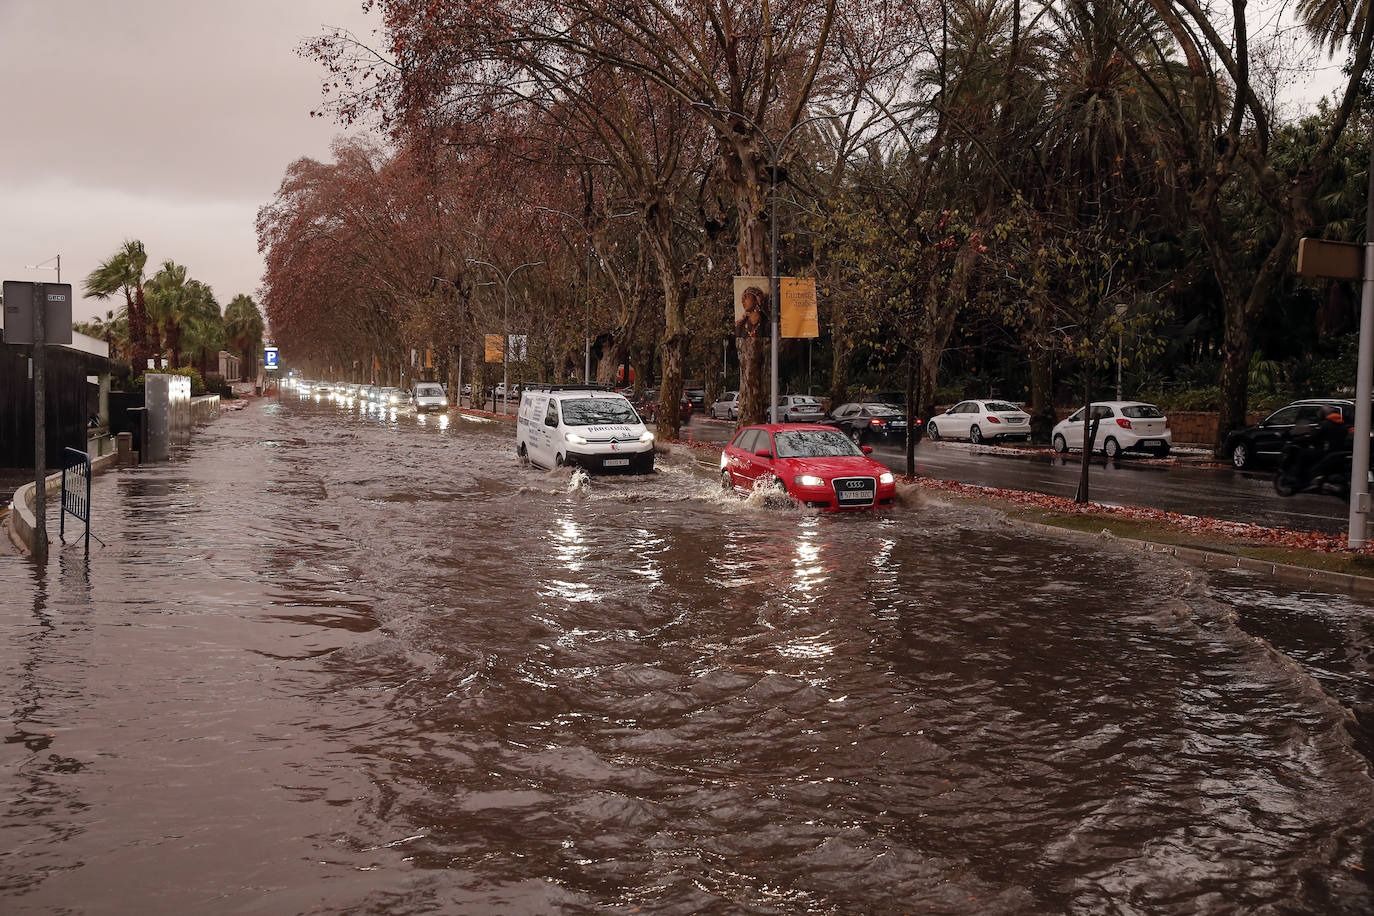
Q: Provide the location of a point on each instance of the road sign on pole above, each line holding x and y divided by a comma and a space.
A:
1330, 260
271, 359
21, 316
1349, 261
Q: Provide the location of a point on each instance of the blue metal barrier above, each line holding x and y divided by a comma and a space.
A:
76, 497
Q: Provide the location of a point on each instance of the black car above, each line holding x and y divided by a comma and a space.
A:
696, 397
1262, 443
867, 421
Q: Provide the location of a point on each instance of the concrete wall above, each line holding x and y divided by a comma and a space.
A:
204, 408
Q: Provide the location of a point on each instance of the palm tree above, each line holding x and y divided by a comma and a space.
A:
123, 272
1333, 22
243, 327
112, 329
169, 305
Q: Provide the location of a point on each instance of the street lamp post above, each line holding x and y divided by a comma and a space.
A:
505, 323
774, 151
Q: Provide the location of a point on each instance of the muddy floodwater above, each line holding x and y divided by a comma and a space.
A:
330, 661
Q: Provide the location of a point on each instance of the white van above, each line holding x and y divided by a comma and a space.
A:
582, 425
428, 396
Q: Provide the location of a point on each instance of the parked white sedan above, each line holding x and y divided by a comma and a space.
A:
1123, 426
980, 421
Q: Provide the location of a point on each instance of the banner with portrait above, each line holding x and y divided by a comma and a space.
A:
752, 308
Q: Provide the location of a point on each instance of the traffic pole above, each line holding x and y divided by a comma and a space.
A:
40, 425
1364, 382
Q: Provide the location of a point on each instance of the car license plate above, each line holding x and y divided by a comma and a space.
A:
615, 462
855, 496
1150, 443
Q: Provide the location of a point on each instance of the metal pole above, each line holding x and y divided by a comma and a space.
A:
1364, 382
1120, 338
587, 325
776, 300
505, 356
40, 425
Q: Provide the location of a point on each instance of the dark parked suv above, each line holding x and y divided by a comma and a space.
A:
1261, 444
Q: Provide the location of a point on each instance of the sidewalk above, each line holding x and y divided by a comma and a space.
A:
1301, 556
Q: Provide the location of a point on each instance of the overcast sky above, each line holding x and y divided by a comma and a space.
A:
169, 121
172, 121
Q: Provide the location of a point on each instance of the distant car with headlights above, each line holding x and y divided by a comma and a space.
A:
429, 396
819, 466
980, 421
1122, 426
586, 426
870, 421
390, 396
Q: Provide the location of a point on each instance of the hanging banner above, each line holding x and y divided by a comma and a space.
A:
751, 307
518, 348
429, 358
492, 344
798, 315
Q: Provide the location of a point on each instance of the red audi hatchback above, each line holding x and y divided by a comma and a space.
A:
818, 466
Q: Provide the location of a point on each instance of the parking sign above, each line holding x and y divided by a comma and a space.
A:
270, 359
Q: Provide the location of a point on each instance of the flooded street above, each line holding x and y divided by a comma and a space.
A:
333, 661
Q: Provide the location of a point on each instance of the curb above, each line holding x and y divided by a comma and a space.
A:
1362, 586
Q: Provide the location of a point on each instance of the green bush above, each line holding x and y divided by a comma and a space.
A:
190, 372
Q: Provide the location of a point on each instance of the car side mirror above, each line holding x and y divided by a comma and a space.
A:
549, 421
866, 449
762, 453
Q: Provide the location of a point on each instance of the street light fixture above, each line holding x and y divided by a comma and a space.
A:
505, 323
774, 151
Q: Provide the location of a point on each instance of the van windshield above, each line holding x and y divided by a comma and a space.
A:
594, 411
430, 391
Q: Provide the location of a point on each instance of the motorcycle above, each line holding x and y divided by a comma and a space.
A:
1300, 471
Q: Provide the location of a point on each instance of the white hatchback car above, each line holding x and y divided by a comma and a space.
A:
980, 421
1123, 426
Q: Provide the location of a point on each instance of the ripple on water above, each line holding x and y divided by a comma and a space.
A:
417, 676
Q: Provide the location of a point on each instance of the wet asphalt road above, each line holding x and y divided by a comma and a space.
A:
1174, 487
342, 660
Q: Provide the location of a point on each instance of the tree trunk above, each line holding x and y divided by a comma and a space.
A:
1042, 394
660, 237
744, 165
1089, 437
173, 336
912, 410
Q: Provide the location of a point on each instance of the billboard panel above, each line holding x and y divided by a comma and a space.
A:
751, 307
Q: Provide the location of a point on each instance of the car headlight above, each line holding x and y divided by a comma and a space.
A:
394, 399
724, 460
575, 439
886, 477
443, 402
808, 480
646, 437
